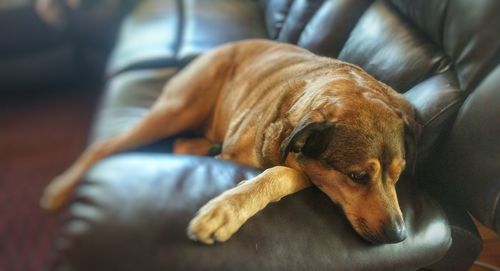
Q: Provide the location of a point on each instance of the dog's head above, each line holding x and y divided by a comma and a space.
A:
354, 148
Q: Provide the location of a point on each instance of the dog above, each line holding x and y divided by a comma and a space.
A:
304, 118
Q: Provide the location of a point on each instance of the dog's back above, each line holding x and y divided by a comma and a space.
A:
270, 87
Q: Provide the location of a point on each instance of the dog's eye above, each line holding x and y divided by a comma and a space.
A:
359, 177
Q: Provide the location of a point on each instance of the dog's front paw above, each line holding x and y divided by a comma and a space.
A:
217, 221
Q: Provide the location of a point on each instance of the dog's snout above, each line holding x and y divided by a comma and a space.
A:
394, 232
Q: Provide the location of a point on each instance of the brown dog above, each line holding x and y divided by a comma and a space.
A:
303, 117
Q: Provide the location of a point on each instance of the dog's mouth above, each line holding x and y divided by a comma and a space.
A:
388, 233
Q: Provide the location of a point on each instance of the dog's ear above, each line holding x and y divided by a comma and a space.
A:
412, 133
309, 137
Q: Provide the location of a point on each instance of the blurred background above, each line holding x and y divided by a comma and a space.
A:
52, 62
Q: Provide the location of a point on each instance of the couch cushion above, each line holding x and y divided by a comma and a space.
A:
170, 33
437, 99
133, 211
336, 19
298, 14
389, 48
208, 24
127, 99
299, 21
148, 36
466, 30
468, 165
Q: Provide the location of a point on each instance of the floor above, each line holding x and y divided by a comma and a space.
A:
39, 137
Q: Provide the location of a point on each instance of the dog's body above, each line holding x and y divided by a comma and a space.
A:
305, 118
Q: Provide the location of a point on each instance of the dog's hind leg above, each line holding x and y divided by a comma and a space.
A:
196, 146
186, 102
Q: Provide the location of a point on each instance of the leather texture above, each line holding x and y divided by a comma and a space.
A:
132, 211
171, 33
463, 234
469, 38
470, 159
140, 214
127, 99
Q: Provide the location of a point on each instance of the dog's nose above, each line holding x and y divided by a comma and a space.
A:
395, 232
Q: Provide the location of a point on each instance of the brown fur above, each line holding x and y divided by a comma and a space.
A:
278, 106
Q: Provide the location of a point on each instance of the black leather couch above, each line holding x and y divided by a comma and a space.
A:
132, 210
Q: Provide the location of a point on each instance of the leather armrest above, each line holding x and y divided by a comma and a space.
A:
467, 168
133, 210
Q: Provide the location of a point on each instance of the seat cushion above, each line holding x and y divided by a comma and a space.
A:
133, 210
127, 99
171, 33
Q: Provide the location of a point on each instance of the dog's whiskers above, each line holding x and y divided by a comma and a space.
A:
365, 231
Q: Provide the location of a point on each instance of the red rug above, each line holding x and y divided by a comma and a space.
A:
39, 137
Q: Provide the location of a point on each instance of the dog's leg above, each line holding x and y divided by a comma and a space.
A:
153, 126
222, 216
186, 102
193, 146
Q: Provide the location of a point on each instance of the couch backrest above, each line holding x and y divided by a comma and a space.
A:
436, 52
462, 35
